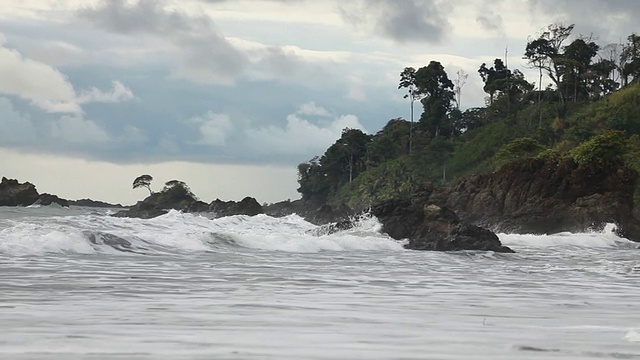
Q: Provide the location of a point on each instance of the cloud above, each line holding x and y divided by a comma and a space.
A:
312, 109
491, 22
47, 88
399, 20
609, 20
299, 135
37, 82
119, 93
213, 128
17, 128
206, 55
77, 130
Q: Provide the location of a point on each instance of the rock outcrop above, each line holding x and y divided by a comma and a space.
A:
48, 199
247, 206
431, 227
141, 210
93, 203
13, 193
177, 197
543, 197
318, 214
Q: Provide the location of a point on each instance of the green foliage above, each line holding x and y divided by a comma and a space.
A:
580, 117
606, 149
341, 163
518, 149
392, 179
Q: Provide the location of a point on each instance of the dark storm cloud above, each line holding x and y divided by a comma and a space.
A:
608, 20
399, 20
205, 51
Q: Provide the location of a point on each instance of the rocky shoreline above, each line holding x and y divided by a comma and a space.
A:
535, 196
14, 193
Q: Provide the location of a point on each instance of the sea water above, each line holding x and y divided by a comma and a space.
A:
78, 284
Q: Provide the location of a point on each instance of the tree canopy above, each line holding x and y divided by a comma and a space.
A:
143, 181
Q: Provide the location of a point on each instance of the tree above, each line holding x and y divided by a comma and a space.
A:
494, 78
408, 81
631, 59
459, 82
143, 181
575, 65
389, 143
544, 52
437, 93
341, 163
175, 190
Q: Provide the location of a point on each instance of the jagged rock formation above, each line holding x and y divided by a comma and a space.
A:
248, 206
13, 193
543, 196
430, 227
93, 203
48, 199
318, 214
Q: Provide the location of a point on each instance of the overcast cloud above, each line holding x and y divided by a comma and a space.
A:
240, 84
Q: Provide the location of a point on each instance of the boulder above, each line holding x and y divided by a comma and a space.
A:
431, 227
13, 193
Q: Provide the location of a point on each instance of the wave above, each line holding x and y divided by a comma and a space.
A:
177, 232
605, 238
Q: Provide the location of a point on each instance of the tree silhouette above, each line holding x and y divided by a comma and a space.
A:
143, 181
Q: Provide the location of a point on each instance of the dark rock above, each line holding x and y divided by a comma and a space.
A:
13, 193
48, 199
332, 228
430, 227
177, 197
543, 197
248, 206
93, 203
197, 207
318, 214
142, 210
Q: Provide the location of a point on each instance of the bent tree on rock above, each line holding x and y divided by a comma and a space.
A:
143, 181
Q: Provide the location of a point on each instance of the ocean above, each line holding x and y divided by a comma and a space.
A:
78, 284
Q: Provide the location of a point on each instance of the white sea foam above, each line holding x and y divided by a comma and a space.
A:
605, 238
633, 335
179, 232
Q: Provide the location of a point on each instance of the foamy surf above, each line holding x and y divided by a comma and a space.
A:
633, 335
606, 238
177, 232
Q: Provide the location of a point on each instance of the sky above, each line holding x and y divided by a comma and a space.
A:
230, 95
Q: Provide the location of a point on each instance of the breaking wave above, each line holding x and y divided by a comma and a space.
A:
177, 232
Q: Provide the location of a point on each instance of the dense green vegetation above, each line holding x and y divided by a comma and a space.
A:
591, 110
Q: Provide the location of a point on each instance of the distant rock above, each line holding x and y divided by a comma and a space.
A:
318, 214
430, 227
13, 193
94, 203
247, 206
48, 199
141, 210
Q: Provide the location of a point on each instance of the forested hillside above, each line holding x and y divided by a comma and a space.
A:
594, 89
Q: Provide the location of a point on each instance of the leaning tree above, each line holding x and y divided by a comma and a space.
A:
143, 181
